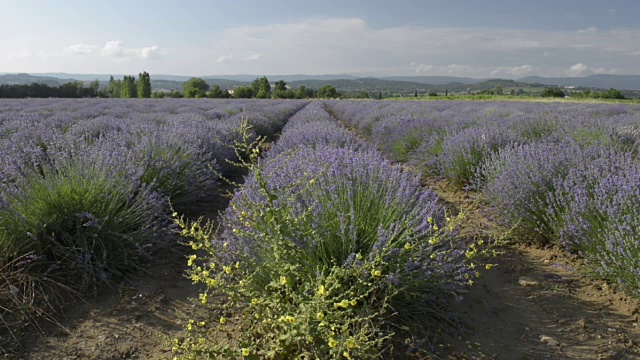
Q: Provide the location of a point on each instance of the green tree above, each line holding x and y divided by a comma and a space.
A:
498, 90
144, 85
215, 92
280, 85
284, 94
261, 88
612, 94
303, 93
553, 92
195, 87
242, 92
94, 86
129, 88
327, 92
115, 87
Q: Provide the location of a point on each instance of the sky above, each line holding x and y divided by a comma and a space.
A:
479, 38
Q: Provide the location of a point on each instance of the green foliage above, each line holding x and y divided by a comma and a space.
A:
85, 220
195, 87
217, 93
115, 87
304, 93
280, 85
261, 88
401, 148
327, 92
129, 88
242, 92
144, 85
553, 92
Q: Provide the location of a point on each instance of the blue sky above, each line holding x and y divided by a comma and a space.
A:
508, 39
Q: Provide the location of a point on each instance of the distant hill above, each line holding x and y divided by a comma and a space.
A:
25, 79
627, 82
434, 80
286, 78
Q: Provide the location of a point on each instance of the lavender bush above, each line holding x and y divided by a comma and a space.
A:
324, 251
599, 203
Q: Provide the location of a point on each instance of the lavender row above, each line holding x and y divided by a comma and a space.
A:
324, 247
564, 173
86, 185
451, 139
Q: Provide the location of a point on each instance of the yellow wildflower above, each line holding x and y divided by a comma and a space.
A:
283, 280
322, 291
343, 304
332, 342
191, 259
320, 316
245, 352
223, 320
376, 273
227, 269
346, 355
407, 246
429, 219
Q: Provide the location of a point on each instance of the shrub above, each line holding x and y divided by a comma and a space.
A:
601, 200
85, 220
519, 181
324, 252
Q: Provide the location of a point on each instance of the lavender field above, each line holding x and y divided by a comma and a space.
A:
564, 173
328, 248
88, 187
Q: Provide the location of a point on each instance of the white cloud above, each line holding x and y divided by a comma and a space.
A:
80, 49
612, 11
578, 69
350, 45
296, 47
224, 58
119, 49
589, 30
423, 68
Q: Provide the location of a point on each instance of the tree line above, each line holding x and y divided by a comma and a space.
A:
128, 87
260, 89
74, 89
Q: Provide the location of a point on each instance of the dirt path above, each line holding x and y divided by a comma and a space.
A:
539, 303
